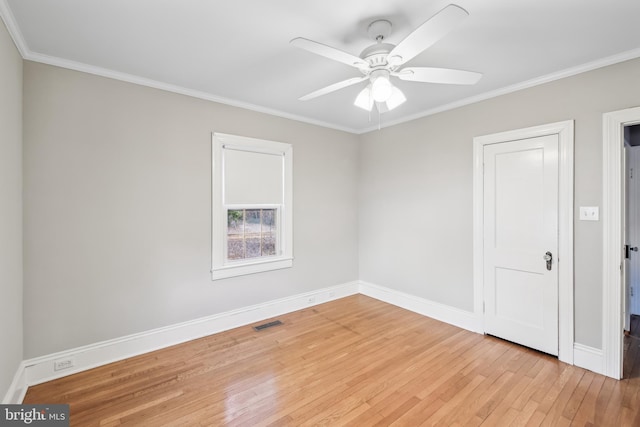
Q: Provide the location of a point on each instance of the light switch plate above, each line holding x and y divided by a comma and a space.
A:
589, 213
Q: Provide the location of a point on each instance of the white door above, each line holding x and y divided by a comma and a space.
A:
520, 228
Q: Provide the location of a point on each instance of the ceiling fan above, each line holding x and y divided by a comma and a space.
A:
381, 61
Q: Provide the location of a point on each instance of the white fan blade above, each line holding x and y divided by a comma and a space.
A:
330, 52
333, 87
438, 75
427, 34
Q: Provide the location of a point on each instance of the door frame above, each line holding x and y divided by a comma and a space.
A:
612, 239
564, 130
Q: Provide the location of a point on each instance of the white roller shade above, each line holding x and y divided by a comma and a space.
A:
252, 177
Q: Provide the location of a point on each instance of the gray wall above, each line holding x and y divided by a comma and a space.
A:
117, 209
117, 202
416, 180
10, 209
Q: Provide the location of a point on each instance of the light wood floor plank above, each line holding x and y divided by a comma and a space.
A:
351, 362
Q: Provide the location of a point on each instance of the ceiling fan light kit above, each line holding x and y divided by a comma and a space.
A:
380, 85
366, 99
381, 61
397, 98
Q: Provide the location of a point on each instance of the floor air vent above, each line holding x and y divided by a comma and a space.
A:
267, 325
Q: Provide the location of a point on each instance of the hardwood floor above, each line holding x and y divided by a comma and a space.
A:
355, 361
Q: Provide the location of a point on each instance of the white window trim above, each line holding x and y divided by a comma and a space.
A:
220, 267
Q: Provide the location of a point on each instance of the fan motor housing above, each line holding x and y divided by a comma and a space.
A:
376, 54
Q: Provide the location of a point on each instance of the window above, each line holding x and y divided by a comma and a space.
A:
252, 206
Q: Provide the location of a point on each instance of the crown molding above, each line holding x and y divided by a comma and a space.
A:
579, 69
14, 30
142, 81
12, 26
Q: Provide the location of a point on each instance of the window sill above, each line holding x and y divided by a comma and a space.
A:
227, 271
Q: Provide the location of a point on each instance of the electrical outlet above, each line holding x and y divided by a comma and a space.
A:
311, 300
65, 363
589, 213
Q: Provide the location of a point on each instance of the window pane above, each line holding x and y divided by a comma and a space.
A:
235, 234
235, 221
268, 232
252, 218
268, 220
269, 244
253, 245
251, 233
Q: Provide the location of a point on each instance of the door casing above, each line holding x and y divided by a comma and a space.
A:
564, 130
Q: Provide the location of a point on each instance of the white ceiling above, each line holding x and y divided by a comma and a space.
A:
238, 52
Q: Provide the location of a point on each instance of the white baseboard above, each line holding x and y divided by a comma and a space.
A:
18, 387
444, 313
588, 358
39, 370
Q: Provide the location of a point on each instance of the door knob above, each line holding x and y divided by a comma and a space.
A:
634, 249
548, 257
